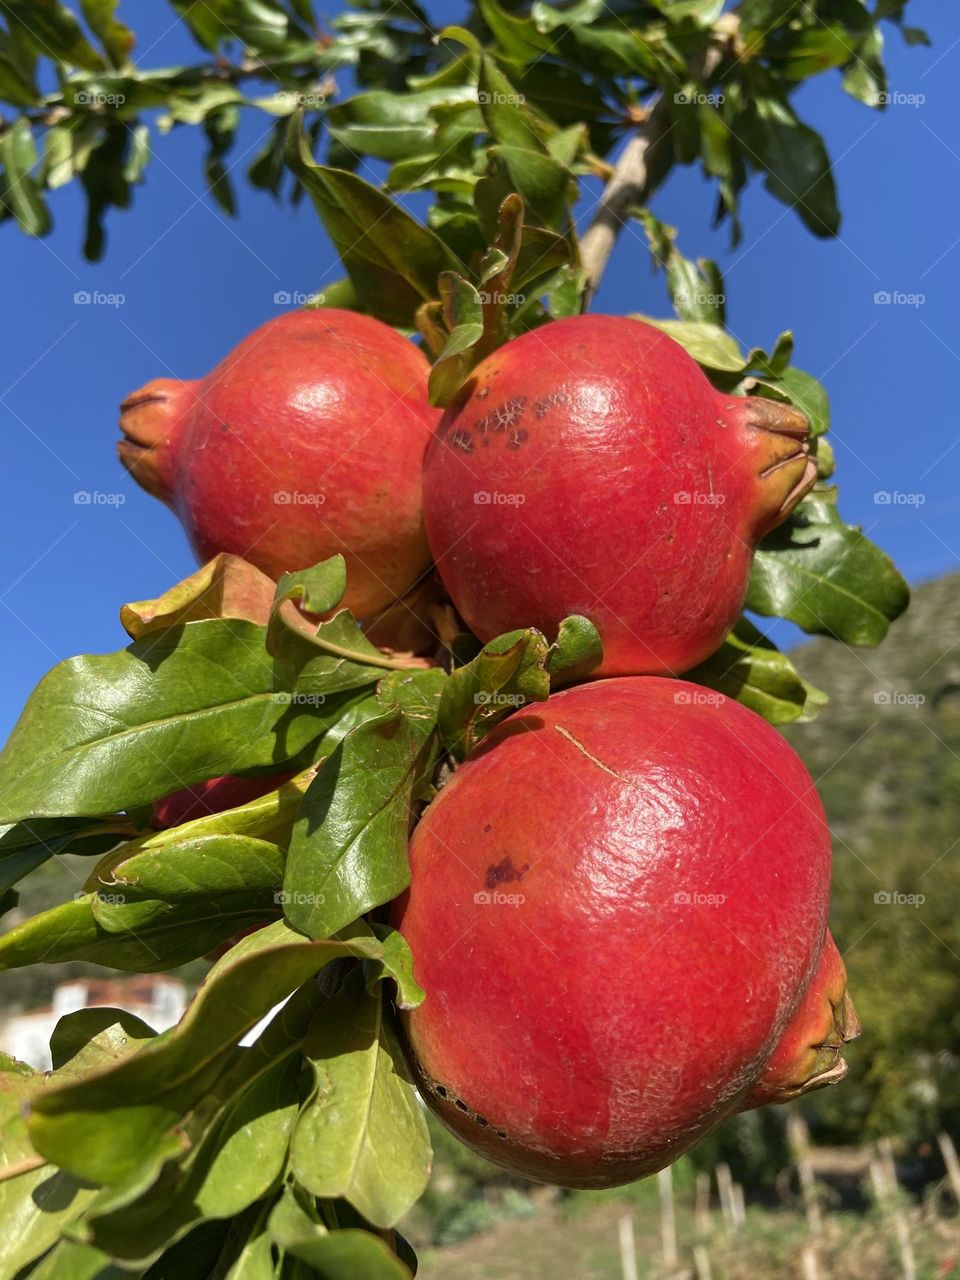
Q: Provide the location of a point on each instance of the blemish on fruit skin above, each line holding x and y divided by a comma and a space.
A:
516, 439
508, 414
504, 872
483, 393
462, 441
488, 827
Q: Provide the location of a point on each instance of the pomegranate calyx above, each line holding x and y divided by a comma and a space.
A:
148, 419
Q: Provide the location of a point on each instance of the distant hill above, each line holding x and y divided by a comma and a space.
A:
885, 753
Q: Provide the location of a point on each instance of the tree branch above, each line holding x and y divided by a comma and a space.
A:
635, 171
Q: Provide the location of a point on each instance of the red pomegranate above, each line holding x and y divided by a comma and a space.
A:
615, 908
589, 467
305, 441
213, 796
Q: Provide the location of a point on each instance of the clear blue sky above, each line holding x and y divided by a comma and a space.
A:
195, 282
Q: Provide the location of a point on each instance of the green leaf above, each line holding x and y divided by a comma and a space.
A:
141, 938
576, 651
393, 261
19, 189
238, 1159
796, 162
348, 852
90, 1039
826, 576
24, 846
318, 589
362, 1133
117, 40
181, 705
810, 397
52, 31
749, 668
463, 313
709, 345
347, 1254
69, 1261
37, 1204
106, 1125
507, 673
396, 964
220, 128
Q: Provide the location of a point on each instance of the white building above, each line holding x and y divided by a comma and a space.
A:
160, 1001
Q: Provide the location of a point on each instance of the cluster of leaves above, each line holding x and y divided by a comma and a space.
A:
255, 1153
442, 114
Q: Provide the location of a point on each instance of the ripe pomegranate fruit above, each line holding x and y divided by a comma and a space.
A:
615, 908
212, 796
589, 467
305, 441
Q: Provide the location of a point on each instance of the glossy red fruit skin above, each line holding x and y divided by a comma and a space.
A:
615, 907
307, 440
589, 467
212, 796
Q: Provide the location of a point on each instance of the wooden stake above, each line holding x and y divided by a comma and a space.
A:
725, 1192
738, 1205
701, 1262
949, 1153
701, 1205
668, 1221
883, 1175
798, 1136
808, 1261
628, 1249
